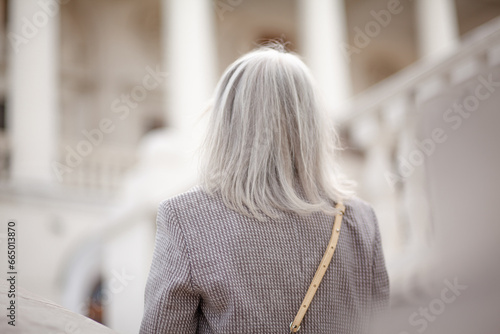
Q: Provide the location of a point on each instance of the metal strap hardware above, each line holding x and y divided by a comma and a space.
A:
320, 272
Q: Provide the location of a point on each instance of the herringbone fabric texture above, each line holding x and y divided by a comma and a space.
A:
217, 271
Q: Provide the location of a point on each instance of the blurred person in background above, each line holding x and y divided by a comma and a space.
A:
237, 253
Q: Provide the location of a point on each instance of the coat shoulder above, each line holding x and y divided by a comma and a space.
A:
358, 205
195, 201
362, 214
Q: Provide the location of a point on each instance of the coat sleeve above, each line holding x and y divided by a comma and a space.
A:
380, 284
170, 301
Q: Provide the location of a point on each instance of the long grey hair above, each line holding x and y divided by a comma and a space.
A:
269, 145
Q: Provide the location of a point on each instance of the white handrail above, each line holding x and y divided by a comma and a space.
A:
476, 44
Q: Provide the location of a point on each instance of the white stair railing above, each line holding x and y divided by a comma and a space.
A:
382, 127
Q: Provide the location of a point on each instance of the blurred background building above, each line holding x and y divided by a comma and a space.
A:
100, 104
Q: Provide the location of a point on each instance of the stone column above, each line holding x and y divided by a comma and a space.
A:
32, 100
189, 58
322, 34
437, 27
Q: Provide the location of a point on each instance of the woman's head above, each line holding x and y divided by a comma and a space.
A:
269, 146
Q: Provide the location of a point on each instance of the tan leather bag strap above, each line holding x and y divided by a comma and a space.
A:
320, 272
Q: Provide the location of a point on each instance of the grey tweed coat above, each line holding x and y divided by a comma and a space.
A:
217, 271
